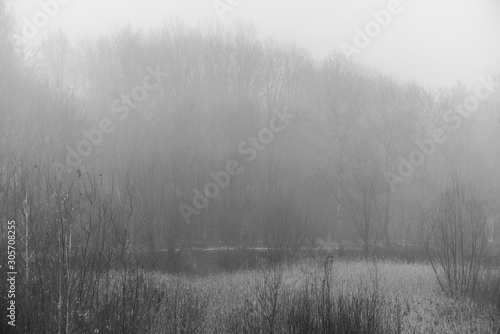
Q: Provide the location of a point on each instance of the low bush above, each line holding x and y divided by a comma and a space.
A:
315, 307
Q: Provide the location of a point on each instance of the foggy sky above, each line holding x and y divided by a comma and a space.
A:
434, 42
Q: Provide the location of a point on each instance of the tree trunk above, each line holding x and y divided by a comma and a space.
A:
385, 226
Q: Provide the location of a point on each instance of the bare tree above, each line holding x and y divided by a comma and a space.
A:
362, 196
341, 107
456, 240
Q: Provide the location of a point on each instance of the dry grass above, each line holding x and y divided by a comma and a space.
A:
413, 286
242, 302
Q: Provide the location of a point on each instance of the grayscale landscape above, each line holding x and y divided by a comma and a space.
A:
250, 167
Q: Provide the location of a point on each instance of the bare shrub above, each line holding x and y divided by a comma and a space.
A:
315, 307
455, 239
264, 311
183, 308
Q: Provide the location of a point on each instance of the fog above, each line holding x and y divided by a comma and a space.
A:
142, 139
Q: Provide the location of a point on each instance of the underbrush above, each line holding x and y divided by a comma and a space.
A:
315, 307
488, 291
118, 301
309, 296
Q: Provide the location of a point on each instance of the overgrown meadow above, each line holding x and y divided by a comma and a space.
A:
312, 295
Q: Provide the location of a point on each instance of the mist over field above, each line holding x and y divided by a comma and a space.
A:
231, 166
